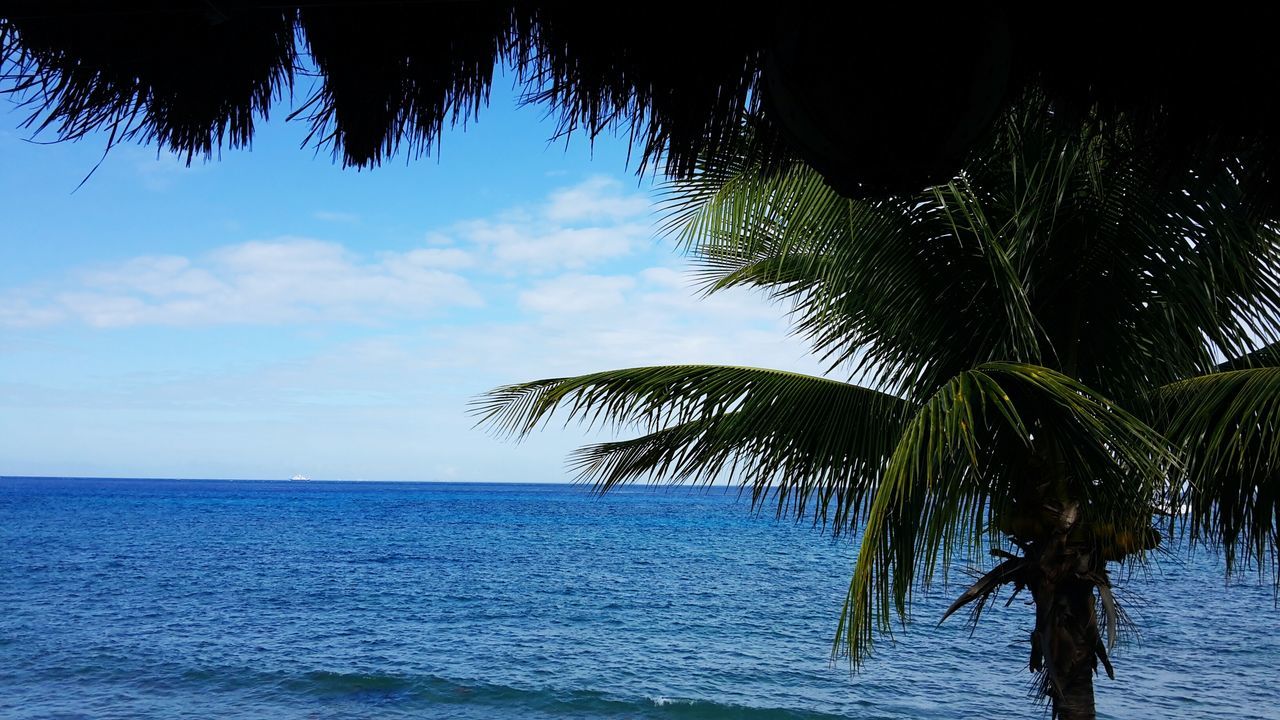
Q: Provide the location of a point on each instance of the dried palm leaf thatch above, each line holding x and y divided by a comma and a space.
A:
193, 76
882, 99
191, 79
680, 80
392, 79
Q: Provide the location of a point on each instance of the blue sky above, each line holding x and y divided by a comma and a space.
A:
270, 313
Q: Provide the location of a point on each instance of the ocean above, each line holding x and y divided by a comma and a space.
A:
235, 599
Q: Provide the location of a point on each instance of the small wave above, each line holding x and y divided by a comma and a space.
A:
707, 710
331, 683
410, 692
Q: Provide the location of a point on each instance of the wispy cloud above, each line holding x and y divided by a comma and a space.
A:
437, 257
540, 248
575, 294
347, 337
599, 198
17, 311
577, 227
292, 279
576, 323
283, 280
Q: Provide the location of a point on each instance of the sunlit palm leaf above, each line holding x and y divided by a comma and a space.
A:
941, 492
1065, 248
814, 445
887, 285
1026, 313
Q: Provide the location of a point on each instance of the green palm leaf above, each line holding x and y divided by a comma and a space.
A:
1073, 249
1027, 313
941, 491
1268, 356
886, 285
1228, 427
814, 445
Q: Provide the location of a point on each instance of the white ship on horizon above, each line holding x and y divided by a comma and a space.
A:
299, 477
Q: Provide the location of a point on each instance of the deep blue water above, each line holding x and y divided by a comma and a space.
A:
220, 599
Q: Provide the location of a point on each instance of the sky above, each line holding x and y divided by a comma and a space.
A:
269, 313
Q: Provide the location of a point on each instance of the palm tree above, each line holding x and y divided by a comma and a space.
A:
1038, 348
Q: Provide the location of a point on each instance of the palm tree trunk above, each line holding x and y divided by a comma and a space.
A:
1066, 643
1066, 638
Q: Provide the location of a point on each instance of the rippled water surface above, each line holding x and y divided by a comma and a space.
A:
219, 599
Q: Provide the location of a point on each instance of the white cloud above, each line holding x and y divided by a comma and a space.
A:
390, 402
599, 198
576, 228
440, 258
292, 279
577, 294
525, 248
154, 275
287, 279
583, 323
21, 312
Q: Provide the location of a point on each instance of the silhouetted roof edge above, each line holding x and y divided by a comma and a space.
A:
878, 100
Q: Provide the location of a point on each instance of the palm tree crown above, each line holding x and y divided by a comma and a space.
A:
1039, 350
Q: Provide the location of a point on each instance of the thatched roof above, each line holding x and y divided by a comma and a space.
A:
884, 99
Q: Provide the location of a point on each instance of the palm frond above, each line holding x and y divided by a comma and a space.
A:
984, 587
814, 446
1227, 425
910, 290
1075, 248
1267, 356
963, 210
943, 492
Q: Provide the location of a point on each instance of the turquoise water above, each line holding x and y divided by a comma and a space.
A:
220, 599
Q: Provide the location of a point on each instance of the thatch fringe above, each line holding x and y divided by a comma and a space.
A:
680, 82
416, 67
191, 80
877, 99
193, 77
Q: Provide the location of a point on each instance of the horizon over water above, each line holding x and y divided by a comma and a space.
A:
163, 598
